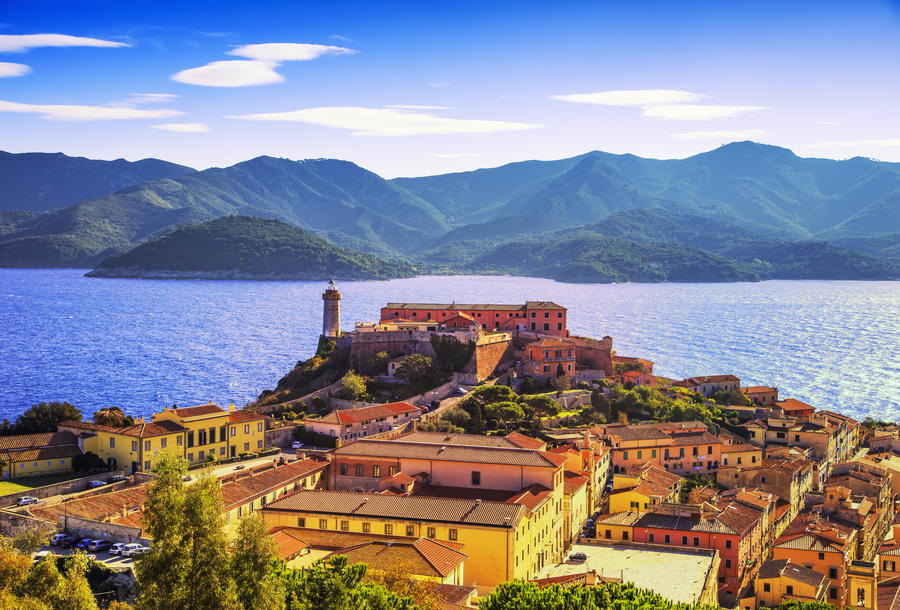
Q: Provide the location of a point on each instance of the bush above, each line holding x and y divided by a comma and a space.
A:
88, 462
309, 437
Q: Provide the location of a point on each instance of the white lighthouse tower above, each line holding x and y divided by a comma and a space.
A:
331, 315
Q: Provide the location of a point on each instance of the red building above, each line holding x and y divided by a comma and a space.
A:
543, 317
545, 357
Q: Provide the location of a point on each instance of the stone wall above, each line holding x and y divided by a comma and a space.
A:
56, 489
88, 528
394, 342
491, 353
281, 436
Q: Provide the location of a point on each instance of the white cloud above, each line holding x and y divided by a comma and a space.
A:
183, 127
152, 98
19, 43
233, 73
8, 69
631, 97
884, 142
416, 107
258, 68
697, 112
287, 51
737, 134
56, 112
387, 121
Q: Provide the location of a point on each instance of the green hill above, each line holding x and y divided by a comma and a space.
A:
239, 247
39, 182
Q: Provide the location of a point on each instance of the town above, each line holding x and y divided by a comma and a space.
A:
480, 444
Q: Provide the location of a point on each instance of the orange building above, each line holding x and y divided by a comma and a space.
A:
545, 357
794, 408
538, 316
760, 394
679, 447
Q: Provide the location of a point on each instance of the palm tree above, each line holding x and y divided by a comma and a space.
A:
110, 416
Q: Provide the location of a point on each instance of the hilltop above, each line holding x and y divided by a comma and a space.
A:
244, 247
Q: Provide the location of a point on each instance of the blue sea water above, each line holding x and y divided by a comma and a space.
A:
142, 344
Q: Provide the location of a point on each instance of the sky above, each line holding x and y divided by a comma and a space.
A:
420, 88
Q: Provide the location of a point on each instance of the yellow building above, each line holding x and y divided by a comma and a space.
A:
198, 434
494, 534
33, 455
779, 581
642, 487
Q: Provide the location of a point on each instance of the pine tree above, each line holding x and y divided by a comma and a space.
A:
251, 567
477, 421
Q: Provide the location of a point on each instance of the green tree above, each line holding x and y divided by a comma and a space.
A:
527, 386
599, 402
459, 416
417, 370
44, 417
505, 412
29, 540
354, 386
87, 461
540, 406
75, 592
252, 559
477, 426
380, 362
438, 425
331, 584
730, 397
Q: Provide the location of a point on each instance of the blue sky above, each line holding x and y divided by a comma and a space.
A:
413, 89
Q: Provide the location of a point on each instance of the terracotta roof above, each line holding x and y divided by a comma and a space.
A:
43, 453
739, 447
531, 497
364, 414
242, 415
456, 438
45, 439
656, 475
698, 380
419, 508
461, 306
456, 597
573, 482
792, 404
525, 442
549, 343
757, 389
208, 409
289, 546
240, 488
145, 430
889, 594
450, 453
97, 507
332, 539
424, 557
778, 568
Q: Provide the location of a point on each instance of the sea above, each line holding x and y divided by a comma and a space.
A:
145, 344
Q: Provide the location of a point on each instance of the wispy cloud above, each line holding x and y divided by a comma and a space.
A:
152, 98
698, 112
736, 134
851, 143
183, 127
416, 107
258, 68
8, 69
19, 43
631, 97
58, 112
388, 121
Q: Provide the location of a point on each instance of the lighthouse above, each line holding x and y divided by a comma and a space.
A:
331, 314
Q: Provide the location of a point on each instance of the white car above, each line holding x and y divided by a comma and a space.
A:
56, 539
116, 549
24, 500
143, 550
129, 549
296, 445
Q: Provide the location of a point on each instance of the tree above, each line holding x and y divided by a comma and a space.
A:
505, 412
253, 555
731, 397
417, 370
75, 592
599, 402
44, 417
541, 406
110, 416
380, 362
326, 585
477, 426
527, 386
354, 386
3, 466
399, 579
29, 540
438, 425
87, 462
562, 383
459, 416
13, 566
188, 566
43, 581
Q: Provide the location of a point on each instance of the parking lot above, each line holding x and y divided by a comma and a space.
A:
113, 561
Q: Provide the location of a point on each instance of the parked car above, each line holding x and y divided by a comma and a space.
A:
94, 484
578, 557
187, 478
129, 548
143, 550
460, 392
118, 478
239, 467
116, 549
83, 543
67, 542
99, 545
41, 555
296, 445
56, 539
434, 404
24, 500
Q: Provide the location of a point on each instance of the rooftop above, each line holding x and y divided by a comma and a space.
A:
682, 580
778, 568
423, 557
395, 448
476, 306
46, 439
418, 508
364, 414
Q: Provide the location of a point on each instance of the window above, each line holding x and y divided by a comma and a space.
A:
832, 572
359, 470
392, 470
476, 477
821, 556
727, 563
607, 534
323, 524
667, 539
860, 597
410, 530
625, 535
190, 437
696, 541
559, 326
190, 457
246, 428
146, 445
666, 453
201, 455
767, 587
146, 465
178, 440
762, 479
343, 469
728, 544
223, 434
301, 521
366, 527
653, 453
789, 589
112, 442
246, 446
695, 451
388, 529
201, 437
432, 532
259, 444
546, 326
163, 442
376, 471
212, 436
624, 455
640, 454
259, 427
345, 526
832, 592
233, 430
684, 540
221, 450
134, 445
652, 537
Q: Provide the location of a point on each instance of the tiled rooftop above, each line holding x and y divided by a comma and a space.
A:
424, 557
364, 414
398, 448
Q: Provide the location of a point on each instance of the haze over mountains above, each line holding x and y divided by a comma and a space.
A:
753, 208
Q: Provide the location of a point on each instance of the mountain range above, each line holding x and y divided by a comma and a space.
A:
755, 206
